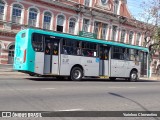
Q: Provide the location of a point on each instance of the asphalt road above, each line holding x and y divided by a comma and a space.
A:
20, 92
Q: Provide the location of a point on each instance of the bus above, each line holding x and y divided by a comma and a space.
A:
48, 53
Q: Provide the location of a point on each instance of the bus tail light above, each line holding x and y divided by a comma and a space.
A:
24, 56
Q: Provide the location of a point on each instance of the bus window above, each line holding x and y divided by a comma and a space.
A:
47, 48
126, 54
89, 49
37, 42
23, 35
71, 47
55, 48
104, 53
132, 54
118, 53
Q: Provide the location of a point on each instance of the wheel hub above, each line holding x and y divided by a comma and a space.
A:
133, 76
77, 74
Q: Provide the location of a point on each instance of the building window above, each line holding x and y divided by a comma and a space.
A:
138, 38
60, 23
16, 14
123, 35
104, 31
130, 37
47, 20
87, 2
114, 33
72, 25
33, 13
2, 4
116, 4
85, 25
11, 54
104, 2
0, 49
96, 27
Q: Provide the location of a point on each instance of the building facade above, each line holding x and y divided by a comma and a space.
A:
109, 19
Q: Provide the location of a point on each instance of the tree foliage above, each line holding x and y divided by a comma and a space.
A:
151, 16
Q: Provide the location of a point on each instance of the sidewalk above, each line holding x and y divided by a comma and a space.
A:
8, 70
151, 78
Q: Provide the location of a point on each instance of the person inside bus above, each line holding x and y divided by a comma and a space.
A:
64, 50
78, 51
55, 48
48, 48
106, 54
89, 53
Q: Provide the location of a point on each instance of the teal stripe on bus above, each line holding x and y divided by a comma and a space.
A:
87, 39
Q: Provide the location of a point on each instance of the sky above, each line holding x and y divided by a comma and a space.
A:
134, 7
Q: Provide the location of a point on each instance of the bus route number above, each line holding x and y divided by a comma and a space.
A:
65, 61
89, 61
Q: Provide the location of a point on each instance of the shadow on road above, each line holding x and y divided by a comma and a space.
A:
137, 103
85, 80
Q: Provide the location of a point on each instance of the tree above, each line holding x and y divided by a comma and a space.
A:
151, 16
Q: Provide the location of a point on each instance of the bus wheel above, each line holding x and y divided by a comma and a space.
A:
32, 74
133, 76
76, 74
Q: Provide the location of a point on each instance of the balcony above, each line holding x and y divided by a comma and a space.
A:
16, 19
46, 25
32, 22
1, 16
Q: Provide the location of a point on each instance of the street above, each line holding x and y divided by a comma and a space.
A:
20, 92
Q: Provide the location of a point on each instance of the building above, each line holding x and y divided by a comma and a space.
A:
109, 19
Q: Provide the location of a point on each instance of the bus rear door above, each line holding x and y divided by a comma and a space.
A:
104, 61
51, 60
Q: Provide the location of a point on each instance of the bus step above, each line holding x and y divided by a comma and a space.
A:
104, 76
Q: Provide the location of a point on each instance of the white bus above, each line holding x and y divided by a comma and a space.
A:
45, 53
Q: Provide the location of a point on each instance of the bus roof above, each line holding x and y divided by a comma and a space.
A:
65, 35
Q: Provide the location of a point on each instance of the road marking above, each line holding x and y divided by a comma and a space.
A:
71, 110
28, 89
48, 88
115, 87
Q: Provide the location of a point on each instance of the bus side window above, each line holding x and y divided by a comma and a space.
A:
106, 54
89, 49
55, 48
118, 53
65, 50
132, 54
126, 54
37, 42
71, 47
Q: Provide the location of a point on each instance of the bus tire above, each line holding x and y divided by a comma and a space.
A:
32, 74
133, 76
76, 74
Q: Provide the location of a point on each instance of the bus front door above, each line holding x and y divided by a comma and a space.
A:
104, 61
51, 58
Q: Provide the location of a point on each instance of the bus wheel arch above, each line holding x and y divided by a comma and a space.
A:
133, 75
76, 72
